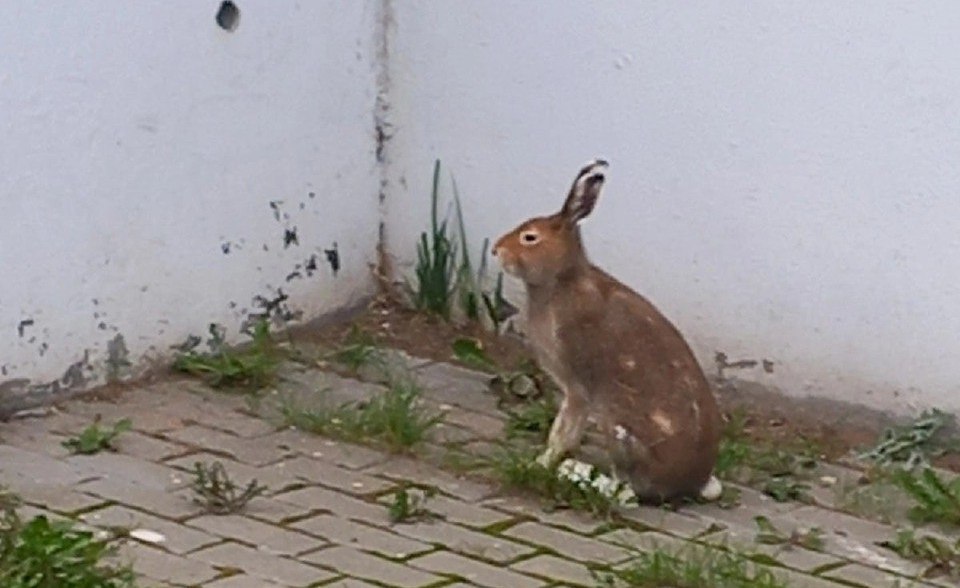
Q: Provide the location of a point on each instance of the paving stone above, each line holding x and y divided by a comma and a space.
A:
464, 513
480, 425
581, 522
751, 504
59, 499
347, 455
126, 469
242, 581
275, 511
416, 472
797, 580
265, 537
463, 540
482, 574
354, 583
448, 384
20, 468
675, 523
868, 577
630, 540
332, 476
143, 446
165, 567
317, 499
179, 539
33, 434
794, 557
370, 567
344, 532
250, 451
273, 568
235, 423
554, 568
165, 504
568, 544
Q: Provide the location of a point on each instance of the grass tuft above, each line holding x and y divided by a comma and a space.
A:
693, 567
912, 445
253, 366
516, 468
394, 419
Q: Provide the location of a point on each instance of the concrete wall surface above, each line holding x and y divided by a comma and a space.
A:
160, 173
784, 182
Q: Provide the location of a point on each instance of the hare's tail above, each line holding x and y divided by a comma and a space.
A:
712, 490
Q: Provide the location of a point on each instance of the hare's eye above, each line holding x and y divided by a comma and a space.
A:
529, 238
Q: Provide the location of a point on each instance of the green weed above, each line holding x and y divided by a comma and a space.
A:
394, 419
694, 567
445, 274
912, 445
95, 439
254, 365
941, 556
936, 500
436, 260
42, 554
408, 505
769, 534
217, 493
516, 468
359, 350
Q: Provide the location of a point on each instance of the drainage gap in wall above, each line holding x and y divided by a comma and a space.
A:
228, 17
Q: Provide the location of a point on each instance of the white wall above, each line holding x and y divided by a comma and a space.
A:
785, 179
138, 139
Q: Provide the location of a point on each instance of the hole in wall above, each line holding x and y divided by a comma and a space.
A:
228, 17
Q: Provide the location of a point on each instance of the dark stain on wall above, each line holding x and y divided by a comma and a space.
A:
290, 237
22, 326
333, 258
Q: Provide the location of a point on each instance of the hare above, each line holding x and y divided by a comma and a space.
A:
618, 361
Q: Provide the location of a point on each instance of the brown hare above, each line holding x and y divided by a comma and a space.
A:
619, 362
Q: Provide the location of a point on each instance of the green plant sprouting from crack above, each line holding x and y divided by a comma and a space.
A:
40, 553
769, 534
95, 438
395, 419
409, 505
217, 493
252, 366
941, 556
692, 567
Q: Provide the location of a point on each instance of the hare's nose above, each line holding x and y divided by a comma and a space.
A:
495, 251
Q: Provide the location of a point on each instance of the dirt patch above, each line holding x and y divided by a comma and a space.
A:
834, 428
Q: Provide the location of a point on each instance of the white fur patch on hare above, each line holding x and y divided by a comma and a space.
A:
712, 489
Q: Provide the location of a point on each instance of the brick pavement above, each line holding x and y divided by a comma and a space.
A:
324, 521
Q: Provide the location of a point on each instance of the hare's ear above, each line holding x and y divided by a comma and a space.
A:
584, 192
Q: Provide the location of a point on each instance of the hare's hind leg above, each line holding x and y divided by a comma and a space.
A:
566, 431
